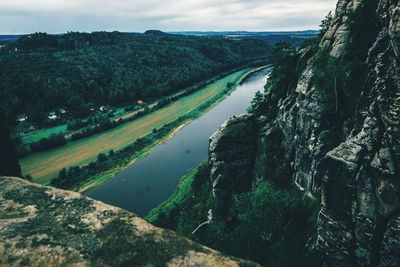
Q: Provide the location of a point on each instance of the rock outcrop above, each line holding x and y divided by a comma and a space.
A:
43, 226
230, 168
349, 152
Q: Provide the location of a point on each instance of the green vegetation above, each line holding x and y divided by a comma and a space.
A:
8, 157
270, 225
78, 71
45, 133
339, 81
46, 165
329, 79
284, 74
182, 192
325, 24
256, 104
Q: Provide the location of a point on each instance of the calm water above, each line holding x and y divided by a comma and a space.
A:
148, 182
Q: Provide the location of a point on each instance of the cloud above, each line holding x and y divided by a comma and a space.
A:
25, 16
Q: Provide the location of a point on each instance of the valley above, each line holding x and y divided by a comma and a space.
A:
44, 166
212, 137
149, 181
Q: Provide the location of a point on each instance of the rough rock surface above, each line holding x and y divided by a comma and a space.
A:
43, 226
230, 169
350, 158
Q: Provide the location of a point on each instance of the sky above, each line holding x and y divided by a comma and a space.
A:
58, 16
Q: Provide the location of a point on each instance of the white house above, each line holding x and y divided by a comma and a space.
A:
52, 116
22, 118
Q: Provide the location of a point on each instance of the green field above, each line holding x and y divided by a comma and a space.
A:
45, 165
45, 133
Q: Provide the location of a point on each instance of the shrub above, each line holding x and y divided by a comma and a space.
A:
101, 157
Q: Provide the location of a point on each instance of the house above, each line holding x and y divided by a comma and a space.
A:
103, 109
52, 116
22, 118
140, 102
63, 111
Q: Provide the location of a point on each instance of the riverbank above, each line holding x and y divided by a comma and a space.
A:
45, 166
190, 116
36, 136
101, 178
182, 192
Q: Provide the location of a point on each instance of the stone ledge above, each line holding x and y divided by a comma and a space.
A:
44, 226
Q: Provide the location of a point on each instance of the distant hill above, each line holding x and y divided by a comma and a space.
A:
293, 37
9, 38
155, 33
42, 72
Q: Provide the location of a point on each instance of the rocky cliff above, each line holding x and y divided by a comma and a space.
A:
43, 226
339, 142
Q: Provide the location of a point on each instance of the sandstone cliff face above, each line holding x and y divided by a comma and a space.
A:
231, 167
350, 158
43, 226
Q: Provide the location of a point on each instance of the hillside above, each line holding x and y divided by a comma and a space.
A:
42, 73
295, 38
310, 177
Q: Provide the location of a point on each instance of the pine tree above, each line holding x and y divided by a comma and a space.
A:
325, 24
256, 103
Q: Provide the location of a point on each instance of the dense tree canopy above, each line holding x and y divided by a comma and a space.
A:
9, 165
42, 72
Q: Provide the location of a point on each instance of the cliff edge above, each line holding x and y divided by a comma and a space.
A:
44, 226
329, 124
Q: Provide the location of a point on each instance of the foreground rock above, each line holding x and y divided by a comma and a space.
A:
43, 226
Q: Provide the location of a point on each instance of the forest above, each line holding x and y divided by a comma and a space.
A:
42, 73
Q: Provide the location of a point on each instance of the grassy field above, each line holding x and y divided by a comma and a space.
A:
36, 136
45, 165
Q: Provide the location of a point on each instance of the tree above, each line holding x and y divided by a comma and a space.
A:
330, 76
325, 24
256, 104
102, 157
9, 165
77, 71
62, 175
37, 117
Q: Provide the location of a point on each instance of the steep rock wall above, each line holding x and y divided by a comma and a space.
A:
350, 155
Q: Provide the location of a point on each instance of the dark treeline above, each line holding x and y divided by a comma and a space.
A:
41, 73
9, 165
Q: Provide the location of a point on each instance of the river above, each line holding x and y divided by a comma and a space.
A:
148, 182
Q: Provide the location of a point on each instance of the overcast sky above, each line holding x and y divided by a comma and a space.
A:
57, 16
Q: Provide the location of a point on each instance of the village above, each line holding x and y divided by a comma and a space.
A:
62, 121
